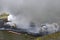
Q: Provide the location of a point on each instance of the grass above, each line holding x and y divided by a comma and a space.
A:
54, 36
5, 35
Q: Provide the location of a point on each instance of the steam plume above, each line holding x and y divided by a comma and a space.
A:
37, 11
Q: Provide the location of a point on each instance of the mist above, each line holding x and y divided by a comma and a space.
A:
37, 11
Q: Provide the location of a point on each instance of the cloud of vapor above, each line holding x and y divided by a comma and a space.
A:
38, 11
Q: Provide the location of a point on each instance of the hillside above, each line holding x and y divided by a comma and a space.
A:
5, 35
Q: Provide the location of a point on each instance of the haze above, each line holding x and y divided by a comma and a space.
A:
39, 11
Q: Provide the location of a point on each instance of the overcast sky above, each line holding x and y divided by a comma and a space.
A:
38, 10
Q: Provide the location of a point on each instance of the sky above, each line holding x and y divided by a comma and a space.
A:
38, 11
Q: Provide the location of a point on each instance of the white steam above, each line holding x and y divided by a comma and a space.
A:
25, 24
22, 12
50, 28
21, 22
